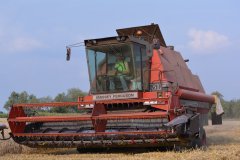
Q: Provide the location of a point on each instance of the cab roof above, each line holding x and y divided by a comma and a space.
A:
148, 33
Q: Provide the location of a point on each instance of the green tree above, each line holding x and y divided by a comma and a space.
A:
71, 96
61, 97
32, 99
74, 93
236, 110
45, 99
22, 97
13, 98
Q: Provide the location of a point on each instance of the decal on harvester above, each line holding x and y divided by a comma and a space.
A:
155, 87
115, 96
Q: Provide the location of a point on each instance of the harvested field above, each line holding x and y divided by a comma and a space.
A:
223, 143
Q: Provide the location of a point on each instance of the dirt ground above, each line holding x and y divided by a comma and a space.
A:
223, 143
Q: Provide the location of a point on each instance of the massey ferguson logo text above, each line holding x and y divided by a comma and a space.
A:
115, 96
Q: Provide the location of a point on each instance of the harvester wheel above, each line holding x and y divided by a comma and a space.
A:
200, 141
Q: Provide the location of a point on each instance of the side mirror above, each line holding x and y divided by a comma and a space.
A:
68, 54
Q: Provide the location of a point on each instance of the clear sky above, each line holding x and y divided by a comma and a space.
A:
33, 36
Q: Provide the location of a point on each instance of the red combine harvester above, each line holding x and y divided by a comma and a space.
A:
142, 94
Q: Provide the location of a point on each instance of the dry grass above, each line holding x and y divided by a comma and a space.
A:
223, 141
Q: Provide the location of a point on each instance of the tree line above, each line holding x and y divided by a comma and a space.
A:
24, 97
231, 107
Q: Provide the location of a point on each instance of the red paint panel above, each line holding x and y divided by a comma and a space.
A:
17, 127
149, 95
92, 134
87, 98
99, 124
156, 67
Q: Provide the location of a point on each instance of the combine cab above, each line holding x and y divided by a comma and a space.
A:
142, 94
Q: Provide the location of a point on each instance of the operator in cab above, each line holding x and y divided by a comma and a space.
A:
121, 66
121, 69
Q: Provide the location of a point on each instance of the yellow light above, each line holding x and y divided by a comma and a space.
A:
139, 32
